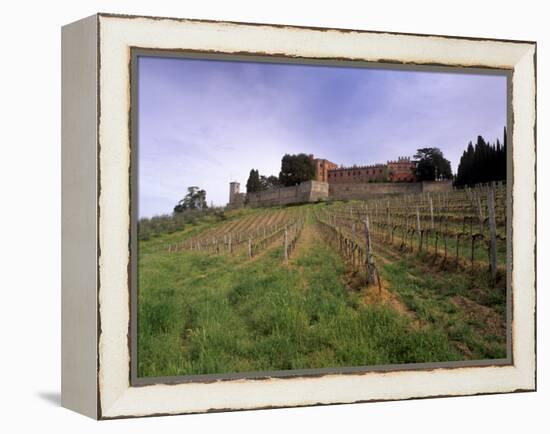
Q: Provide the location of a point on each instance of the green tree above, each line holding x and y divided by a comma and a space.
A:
296, 169
484, 162
253, 184
432, 165
269, 182
194, 199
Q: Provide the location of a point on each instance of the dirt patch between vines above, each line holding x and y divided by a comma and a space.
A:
374, 294
493, 323
308, 236
305, 241
355, 281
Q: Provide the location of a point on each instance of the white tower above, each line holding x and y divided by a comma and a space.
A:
234, 190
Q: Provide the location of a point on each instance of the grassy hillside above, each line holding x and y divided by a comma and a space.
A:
205, 309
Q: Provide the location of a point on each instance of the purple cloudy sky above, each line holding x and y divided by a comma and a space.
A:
206, 122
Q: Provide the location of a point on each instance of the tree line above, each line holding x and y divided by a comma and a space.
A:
155, 226
430, 164
482, 162
257, 182
294, 170
195, 199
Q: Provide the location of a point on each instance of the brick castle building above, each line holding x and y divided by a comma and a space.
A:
332, 182
322, 168
400, 170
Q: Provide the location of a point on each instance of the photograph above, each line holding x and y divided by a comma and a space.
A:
268, 217
298, 218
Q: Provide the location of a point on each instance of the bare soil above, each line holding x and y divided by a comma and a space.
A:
493, 323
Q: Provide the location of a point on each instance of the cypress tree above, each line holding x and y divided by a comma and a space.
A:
484, 162
253, 184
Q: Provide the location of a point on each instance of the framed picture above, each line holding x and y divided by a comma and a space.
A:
261, 216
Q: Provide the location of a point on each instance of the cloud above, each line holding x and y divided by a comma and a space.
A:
208, 122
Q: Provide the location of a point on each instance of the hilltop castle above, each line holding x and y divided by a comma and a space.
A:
333, 182
401, 170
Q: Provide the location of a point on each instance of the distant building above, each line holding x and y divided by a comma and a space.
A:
322, 168
236, 198
358, 174
401, 170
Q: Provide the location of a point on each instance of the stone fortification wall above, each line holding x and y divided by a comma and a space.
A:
314, 191
310, 191
365, 190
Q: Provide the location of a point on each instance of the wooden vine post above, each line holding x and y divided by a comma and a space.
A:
432, 212
249, 248
353, 245
389, 222
418, 229
367, 250
370, 267
480, 214
492, 233
286, 246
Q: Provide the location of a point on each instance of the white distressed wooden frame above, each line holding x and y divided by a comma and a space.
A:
96, 215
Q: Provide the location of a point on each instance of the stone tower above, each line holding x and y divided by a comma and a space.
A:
234, 192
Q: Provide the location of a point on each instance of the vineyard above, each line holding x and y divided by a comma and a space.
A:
400, 279
256, 232
465, 228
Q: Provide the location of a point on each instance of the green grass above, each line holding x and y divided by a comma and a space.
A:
201, 314
433, 298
